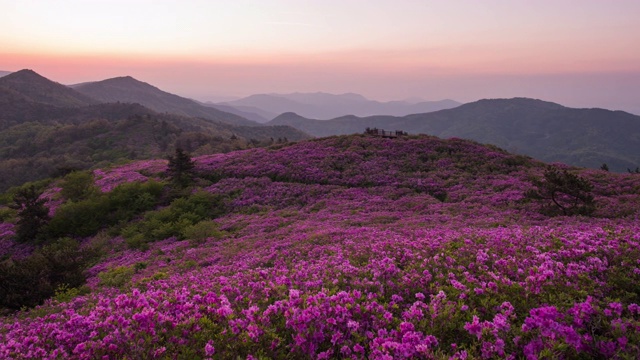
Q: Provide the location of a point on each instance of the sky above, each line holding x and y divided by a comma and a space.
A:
581, 53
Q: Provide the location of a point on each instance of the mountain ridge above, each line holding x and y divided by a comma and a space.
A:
249, 113
129, 89
324, 106
542, 129
43, 129
39, 89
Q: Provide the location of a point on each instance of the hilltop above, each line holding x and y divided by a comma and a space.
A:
544, 130
128, 89
348, 246
39, 89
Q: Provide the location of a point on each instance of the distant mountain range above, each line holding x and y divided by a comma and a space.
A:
128, 89
247, 112
544, 130
4, 73
328, 106
46, 127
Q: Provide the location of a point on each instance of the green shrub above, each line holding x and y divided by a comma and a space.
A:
25, 282
563, 193
201, 231
139, 266
64, 293
7, 214
78, 185
174, 220
31, 280
135, 240
116, 277
86, 217
40, 185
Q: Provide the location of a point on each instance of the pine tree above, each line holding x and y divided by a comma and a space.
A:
180, 168
32, 214
563, 192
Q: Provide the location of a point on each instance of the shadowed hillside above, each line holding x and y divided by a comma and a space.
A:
544, 130
43, 133
128, 89
100, 134
39, 89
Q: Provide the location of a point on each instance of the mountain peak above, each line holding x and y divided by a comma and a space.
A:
26, 71
38, 88
25, 75
520, 101
124, 81
131, 90
288, 115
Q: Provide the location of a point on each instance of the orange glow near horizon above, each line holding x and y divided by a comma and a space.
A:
383, 49
70, 68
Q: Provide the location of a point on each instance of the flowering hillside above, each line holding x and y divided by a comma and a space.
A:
351, 247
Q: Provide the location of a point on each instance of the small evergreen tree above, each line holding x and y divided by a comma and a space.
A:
180, 168
562, 192
32, 214
604, 167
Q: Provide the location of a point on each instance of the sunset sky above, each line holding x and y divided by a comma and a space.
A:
582, 53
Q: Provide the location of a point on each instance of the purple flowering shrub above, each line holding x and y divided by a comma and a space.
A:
363, 248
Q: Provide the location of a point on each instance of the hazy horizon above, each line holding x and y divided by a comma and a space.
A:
582, 54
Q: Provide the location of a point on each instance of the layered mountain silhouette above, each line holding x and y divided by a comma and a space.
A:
46, 127
128, 89
4, 73
247, 112
327, 106
544, 130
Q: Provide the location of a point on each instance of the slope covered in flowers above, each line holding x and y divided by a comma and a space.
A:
363, 248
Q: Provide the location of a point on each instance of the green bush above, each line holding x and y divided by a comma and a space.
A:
7, 214
563, 193
201, 231
31, 280
78, 185
174, 220
64, 293
116, 277
40, 185
86, 217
